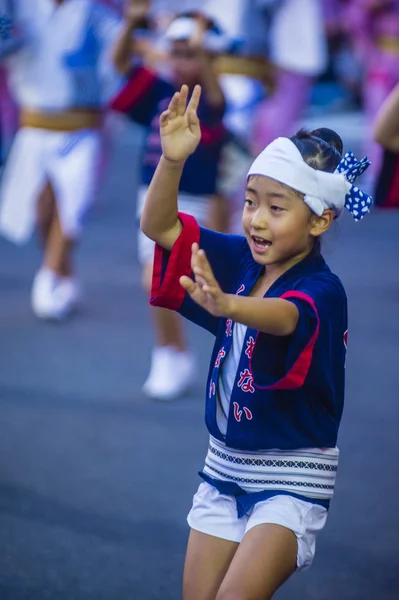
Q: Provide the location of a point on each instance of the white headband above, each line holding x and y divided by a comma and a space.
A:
184, 28
282, 161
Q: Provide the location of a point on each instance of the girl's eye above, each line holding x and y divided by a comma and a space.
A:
249, 202
276, 208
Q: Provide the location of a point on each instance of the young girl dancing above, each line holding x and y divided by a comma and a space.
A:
275, 389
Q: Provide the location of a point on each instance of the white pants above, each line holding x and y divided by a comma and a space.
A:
196, 206
216, 514
68, 160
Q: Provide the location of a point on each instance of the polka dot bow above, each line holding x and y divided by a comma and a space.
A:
357, 202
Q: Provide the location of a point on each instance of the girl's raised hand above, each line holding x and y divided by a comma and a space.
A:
180, 126
205, 290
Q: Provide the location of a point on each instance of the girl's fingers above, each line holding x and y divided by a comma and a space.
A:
181, 106
163, 119
208, 289
200, 281
193, 290
206, 267
174, 103
202, 277
195, 98
194, 256
188, 284
206, 286
193, 120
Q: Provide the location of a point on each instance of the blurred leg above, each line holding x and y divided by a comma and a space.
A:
55, 292
58, 251
45, 212
172, 366
167, 324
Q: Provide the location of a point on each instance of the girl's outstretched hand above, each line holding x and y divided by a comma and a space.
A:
205, 290
180, 126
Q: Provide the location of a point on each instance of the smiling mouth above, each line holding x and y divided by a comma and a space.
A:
260, 243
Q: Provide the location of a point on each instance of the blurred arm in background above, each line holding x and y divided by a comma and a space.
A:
136, 14
386, 126
209, 76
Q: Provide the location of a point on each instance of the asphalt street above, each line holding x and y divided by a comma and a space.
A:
96, 480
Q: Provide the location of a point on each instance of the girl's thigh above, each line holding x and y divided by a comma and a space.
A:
207, 561
265, 559
215, 534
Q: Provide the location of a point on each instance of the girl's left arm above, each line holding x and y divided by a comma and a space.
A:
275, 316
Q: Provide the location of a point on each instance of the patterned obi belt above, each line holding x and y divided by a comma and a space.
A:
308, 474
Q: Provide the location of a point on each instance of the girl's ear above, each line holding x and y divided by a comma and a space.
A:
320, 225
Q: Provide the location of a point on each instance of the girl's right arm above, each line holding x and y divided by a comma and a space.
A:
386, 127
174, 233
180, 135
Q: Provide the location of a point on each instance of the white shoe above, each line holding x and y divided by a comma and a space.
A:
66, 297
42, 293
171, 374
53, 298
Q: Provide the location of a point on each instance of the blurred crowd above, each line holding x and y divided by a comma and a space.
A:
66, 63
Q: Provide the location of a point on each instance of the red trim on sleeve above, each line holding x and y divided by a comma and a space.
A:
296, 376
166, 290
137, 86
212, 135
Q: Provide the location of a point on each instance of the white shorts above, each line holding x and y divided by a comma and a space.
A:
216, 514
70, 161
196, 206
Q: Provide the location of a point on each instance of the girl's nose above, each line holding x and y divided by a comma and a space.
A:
259, 220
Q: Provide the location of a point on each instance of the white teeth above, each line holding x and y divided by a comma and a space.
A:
261, 241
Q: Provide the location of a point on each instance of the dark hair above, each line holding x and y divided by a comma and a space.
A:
322, 150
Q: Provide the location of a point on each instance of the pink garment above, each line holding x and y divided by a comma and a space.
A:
366, 24
278, 114
381, 67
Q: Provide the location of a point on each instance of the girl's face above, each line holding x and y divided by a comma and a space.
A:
278, 225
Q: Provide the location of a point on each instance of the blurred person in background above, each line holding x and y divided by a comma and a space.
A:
60, 77
281, 46
8, 115
298, 52
374, 28
245, 70
267, 77
344, 66
10, 40
192, 40
386, 133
